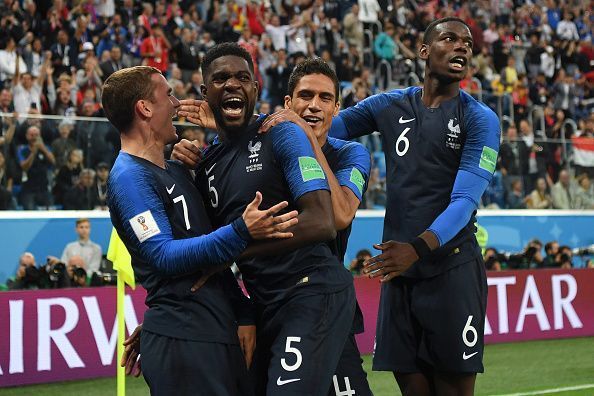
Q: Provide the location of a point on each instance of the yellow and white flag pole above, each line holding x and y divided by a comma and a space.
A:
118, 254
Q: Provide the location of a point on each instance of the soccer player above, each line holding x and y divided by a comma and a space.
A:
304, 297
190, 343
312, 101
441, 148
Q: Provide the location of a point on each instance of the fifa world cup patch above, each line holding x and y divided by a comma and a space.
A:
310, 169
144, 226
357, 179
488, 159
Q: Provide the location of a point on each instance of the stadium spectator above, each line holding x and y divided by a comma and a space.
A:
36, 161
515, 197
102, 176
6, 184
86, 250
492, 258
155, 49
68, 175
8, 61
513, 158
384, 45
26, 89
563, 192
584, 196
114, 63
539, 198
186, 51
83, 194
535, 163
64, 52
64, 143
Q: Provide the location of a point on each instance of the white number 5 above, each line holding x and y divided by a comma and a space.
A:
295, 351
402, 138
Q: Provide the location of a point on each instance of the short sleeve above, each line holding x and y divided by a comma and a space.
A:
296, 157
354, 168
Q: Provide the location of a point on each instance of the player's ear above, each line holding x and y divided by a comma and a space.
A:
256, 88
203, 91
143, 109
424, 51
287, 101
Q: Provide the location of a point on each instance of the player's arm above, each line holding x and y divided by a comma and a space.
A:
479, 157
309, 188
346, 183
361, 119
143, 224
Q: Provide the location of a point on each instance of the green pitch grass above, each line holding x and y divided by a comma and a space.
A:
510, 368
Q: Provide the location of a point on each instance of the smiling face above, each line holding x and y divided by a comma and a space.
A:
449, 52
314, 100
231, 92
163, 107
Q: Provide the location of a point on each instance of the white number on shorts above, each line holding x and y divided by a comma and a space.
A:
402, 138
295, 351
347, 392
185, 208
469, 329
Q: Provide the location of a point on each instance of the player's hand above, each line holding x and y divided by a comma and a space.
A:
247, 342
188, 152
197, 112
396, 257
207, 274
282, 116
264, 224
131, 357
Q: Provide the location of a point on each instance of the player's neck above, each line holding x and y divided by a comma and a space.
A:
143, 146
435, 92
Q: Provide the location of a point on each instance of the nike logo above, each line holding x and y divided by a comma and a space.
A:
170, 190
281, 382
466, 357
209, 170
403, 121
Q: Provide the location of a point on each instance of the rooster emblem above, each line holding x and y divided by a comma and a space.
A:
254, 148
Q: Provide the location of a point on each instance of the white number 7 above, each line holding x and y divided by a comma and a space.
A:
185, 207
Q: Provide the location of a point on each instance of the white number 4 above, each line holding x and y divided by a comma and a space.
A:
295, 351
347, 392
185, 208
469, 329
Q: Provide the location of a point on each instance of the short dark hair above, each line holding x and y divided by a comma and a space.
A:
224, 49
122, 90
309, 66
429, 34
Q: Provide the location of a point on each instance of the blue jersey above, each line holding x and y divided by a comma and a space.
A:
351, 164
160, 217
431, 154
281, 165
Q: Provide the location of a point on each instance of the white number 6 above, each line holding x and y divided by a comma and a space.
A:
402, 138
468, 328
295, 351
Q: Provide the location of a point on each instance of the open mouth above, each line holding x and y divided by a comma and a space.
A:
233, 107
458, 63
312, 120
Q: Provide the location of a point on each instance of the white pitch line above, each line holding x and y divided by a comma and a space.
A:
556, 390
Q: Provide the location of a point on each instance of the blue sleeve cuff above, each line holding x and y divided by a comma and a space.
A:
241, 229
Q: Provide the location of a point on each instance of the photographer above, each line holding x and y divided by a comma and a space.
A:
493, 259
531, 257
357, 263
28, 276
56, 274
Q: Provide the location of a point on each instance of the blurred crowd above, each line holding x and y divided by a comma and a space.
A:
532, 65
81, 264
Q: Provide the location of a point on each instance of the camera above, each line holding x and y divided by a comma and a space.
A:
104, 279
584, 251
57, 276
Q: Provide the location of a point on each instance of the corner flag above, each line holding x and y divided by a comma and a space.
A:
122, 262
